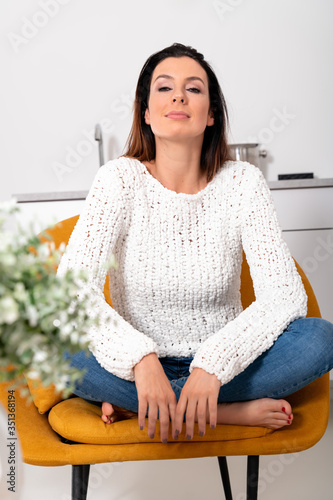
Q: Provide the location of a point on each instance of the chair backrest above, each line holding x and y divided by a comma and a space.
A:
63, 229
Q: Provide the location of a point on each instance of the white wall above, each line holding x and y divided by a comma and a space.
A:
68, 64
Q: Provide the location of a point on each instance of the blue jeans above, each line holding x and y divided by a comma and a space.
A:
302, 353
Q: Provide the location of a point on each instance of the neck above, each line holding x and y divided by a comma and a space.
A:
178, 167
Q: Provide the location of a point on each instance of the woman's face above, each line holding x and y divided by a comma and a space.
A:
179, 104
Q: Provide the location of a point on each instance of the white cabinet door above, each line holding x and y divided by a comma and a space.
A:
304, 208
46, 213
313, 250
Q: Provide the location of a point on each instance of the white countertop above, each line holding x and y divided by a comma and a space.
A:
81, 195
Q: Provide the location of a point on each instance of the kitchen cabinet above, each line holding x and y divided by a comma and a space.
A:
43, 214
306, 218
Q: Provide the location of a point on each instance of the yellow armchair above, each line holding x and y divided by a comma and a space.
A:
58, 437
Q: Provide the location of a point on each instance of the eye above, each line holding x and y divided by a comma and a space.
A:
195, 90
164, 89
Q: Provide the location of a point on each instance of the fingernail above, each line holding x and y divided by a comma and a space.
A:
212, 426
283, 409
164, 441
152, 436
201, 433
188, 437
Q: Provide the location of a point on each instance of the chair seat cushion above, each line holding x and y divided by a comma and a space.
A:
77, 420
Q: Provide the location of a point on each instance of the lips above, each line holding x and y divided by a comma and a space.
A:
178, 115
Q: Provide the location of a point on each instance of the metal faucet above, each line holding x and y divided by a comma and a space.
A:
99, 138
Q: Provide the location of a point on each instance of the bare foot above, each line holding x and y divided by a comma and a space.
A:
266, 412
112, 413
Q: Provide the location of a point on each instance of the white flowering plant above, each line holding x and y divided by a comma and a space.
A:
41, 315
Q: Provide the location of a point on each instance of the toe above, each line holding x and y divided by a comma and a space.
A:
106, 419
285, 407
277, 423
107, 411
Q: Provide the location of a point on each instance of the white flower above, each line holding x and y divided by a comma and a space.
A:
5, 240
62, 247
32, 315
8, 259
33, 374
75, 337
44, 251
84, 339
20, 292
9, 205
67, 329
40, 356
9, 311
27, 259
61, 385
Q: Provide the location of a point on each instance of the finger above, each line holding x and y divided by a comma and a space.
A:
190, 418
212, 407
172, 411
202, 416
164, 422
152, 419
177, 426
142, 413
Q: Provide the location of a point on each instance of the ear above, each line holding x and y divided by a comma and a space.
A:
210, 119
147, 117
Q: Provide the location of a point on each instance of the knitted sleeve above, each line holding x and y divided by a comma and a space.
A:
116, 345
280, 295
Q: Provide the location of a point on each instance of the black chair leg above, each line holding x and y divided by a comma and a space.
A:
80, 478
252, 477
225, 477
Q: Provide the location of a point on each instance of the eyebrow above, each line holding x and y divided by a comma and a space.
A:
189, 79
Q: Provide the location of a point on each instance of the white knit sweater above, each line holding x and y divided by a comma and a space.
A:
176, 291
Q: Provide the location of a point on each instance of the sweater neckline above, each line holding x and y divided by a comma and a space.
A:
169, 192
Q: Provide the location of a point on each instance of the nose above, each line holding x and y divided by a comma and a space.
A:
178, 95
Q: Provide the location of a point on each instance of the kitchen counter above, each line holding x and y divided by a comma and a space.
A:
81, 195
300, 183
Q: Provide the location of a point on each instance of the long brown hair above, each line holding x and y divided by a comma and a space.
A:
141, 141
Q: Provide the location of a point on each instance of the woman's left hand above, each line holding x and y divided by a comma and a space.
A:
199, 394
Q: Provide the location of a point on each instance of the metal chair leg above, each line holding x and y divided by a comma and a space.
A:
225, 477
80, 478
252, 477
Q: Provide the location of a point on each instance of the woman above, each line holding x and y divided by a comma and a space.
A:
177, 214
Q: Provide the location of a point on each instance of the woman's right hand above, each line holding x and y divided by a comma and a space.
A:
155, 392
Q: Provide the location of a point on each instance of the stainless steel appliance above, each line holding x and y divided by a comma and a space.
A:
250, 152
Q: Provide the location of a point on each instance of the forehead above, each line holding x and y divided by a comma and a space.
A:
180, 67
